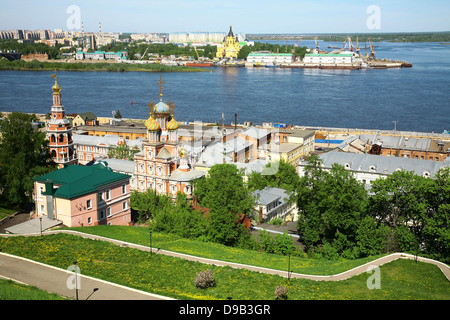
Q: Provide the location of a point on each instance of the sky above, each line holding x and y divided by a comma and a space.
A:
246, 16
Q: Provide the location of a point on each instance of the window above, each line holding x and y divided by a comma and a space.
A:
90, 220
108, 212
102, 214
108, 194
124, 205
89, 204
41, 189
124, 188
41, 209
100, 196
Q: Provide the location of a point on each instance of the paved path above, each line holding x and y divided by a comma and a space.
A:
61, 281
336, 277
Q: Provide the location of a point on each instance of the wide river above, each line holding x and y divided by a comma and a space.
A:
417, 98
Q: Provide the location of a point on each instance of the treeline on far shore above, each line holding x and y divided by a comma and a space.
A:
375, 37
36, 65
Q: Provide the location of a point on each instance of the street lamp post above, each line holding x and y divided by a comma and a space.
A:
76, 281
289, 267
40, 223
95, 289
151, 250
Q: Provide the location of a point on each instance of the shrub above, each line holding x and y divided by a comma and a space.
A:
281, 293
205, 279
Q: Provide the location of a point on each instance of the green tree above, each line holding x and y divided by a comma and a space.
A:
285, 176
371, 238
145, 203
330, 205
224, 193
24, 154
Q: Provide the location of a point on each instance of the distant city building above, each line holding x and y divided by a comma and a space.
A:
102, 55
201, 37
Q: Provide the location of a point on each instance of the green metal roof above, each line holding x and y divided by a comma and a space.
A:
269, 54
77, 180
328, 55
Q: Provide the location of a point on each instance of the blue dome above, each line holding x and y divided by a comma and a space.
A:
161, 107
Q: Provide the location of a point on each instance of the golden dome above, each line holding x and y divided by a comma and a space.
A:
172, 125
152, 124
56, 88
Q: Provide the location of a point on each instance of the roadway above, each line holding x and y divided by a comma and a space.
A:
60, 281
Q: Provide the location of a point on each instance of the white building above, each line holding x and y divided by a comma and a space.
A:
331, 58
367, 167
205, 37
267, 58
90, 148
272, 203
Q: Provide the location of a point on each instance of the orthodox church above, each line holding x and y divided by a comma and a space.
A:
163, 163
230, 46
59, 131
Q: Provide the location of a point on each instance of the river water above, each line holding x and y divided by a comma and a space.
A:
417, 98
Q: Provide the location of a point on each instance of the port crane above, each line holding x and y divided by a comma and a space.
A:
196, 52
317, 44
357, 47
143, 54
350, 44
372, 50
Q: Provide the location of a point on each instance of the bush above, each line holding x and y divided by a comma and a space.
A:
329, 252
205, 279
281, 293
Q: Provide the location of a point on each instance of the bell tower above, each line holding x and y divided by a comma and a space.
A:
59, 131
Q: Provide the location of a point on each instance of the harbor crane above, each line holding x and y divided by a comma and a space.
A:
143, 54
372, 50
198, 57
350, 44
357, 47
317, 44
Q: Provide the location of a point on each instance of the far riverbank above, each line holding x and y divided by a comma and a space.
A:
36, 65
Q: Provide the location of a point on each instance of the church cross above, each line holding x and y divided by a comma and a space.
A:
160, 82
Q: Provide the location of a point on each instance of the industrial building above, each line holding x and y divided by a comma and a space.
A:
268, 58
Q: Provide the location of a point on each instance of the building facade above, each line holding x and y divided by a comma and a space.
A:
330, 58
230, 47
267, 58
163, 165
84, 196
59, 131
273, 203
367, 167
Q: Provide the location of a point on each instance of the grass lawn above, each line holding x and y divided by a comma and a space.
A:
140, 235
6, 210
10, 290
174, 277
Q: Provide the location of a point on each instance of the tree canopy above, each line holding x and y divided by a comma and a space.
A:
24, 154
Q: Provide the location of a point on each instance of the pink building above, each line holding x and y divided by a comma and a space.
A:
84, 196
